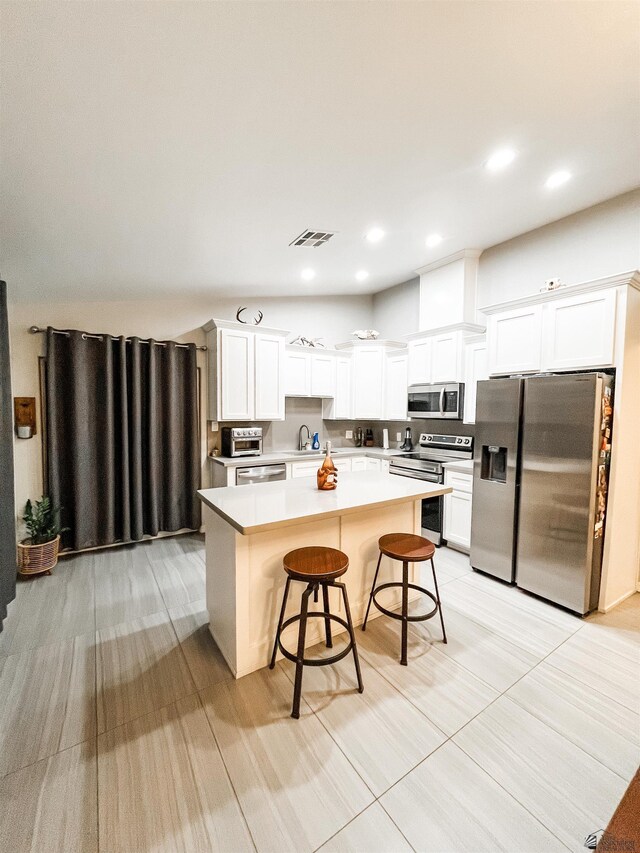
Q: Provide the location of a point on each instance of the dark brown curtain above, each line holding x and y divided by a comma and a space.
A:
123, 449
8, 566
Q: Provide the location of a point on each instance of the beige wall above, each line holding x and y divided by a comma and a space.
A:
334, 318
594, 243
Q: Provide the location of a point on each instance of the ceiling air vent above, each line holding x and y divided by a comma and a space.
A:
312, 238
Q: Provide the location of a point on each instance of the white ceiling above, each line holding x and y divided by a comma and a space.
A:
163, 148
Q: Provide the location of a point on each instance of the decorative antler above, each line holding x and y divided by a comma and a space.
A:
256, 320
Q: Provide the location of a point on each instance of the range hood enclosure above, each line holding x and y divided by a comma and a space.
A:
448, 291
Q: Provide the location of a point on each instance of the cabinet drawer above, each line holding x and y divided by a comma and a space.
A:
459, 481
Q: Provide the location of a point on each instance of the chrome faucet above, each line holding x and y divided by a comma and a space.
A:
300, 445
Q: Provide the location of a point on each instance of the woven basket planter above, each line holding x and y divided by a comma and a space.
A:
36, 559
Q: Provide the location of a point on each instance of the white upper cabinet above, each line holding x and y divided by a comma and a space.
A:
310, 372
475, 370
297, 375
446, 357
323, 375
419, 355
236, 376
395, 388
579, 331
368, 382
339, 407
245, 372
568, 329
514, 340
269, 378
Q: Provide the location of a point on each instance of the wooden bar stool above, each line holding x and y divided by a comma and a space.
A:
408, 548
318, 567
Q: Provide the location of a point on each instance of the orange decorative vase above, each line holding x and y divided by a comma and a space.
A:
327, 472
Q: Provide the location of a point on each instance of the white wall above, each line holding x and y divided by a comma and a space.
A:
599, 241
334, 318
396, 310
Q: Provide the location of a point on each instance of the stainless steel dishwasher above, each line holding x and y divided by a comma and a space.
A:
260, 474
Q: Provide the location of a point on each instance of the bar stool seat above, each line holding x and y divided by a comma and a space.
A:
318, 567
316, 561
407, 548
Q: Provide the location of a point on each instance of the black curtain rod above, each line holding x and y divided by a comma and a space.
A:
36, 330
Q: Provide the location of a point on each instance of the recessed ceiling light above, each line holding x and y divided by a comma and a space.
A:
308, 274
433, 240
362, 275
500, 159
375, 235
557, 179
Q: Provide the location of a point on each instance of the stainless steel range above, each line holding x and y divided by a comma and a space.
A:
427, 464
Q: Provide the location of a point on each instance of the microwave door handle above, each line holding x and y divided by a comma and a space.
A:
442, 401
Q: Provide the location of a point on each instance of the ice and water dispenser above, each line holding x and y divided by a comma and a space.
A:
494, 463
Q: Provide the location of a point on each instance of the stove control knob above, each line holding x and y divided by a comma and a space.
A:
458, 441
429, 438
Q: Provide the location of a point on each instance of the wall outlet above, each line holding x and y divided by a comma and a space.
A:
348, 433
398, 436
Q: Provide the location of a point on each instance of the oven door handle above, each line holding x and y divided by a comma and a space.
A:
442, 392
415, 475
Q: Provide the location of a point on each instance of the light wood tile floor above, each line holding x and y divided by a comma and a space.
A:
122, 730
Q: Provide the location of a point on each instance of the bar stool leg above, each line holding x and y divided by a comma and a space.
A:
435, 583
352, 636
327, 621
405, 611
373, 589
302, 633
280, 621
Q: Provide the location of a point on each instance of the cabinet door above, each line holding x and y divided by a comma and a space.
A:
395, 388
384, 466
475, 370
514, 341
236, 361
297, 376
323, 381
342, 464
579, 331
419, 353
305, 469
371, 464
457, 518
368, 366
445, 358
269, 392
359, 463
342, 402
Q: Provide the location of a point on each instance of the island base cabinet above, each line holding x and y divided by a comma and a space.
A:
245, 579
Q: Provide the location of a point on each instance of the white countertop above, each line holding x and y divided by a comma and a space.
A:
272, 457
256, 508
465, 466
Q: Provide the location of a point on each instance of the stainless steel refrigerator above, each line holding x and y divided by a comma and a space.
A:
542, 448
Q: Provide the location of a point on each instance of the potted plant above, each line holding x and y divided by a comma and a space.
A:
38, 553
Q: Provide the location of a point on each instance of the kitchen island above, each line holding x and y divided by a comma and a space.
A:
249, 529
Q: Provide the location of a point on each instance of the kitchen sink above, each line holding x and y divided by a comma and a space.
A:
314, 452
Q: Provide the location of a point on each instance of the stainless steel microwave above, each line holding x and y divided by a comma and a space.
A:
437, 401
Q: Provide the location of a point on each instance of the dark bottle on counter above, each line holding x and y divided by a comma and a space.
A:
368, 438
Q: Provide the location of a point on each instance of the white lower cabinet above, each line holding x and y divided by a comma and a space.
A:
309, 468
372, 464
359, 463
457, 509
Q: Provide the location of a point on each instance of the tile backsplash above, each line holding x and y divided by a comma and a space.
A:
283, 435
